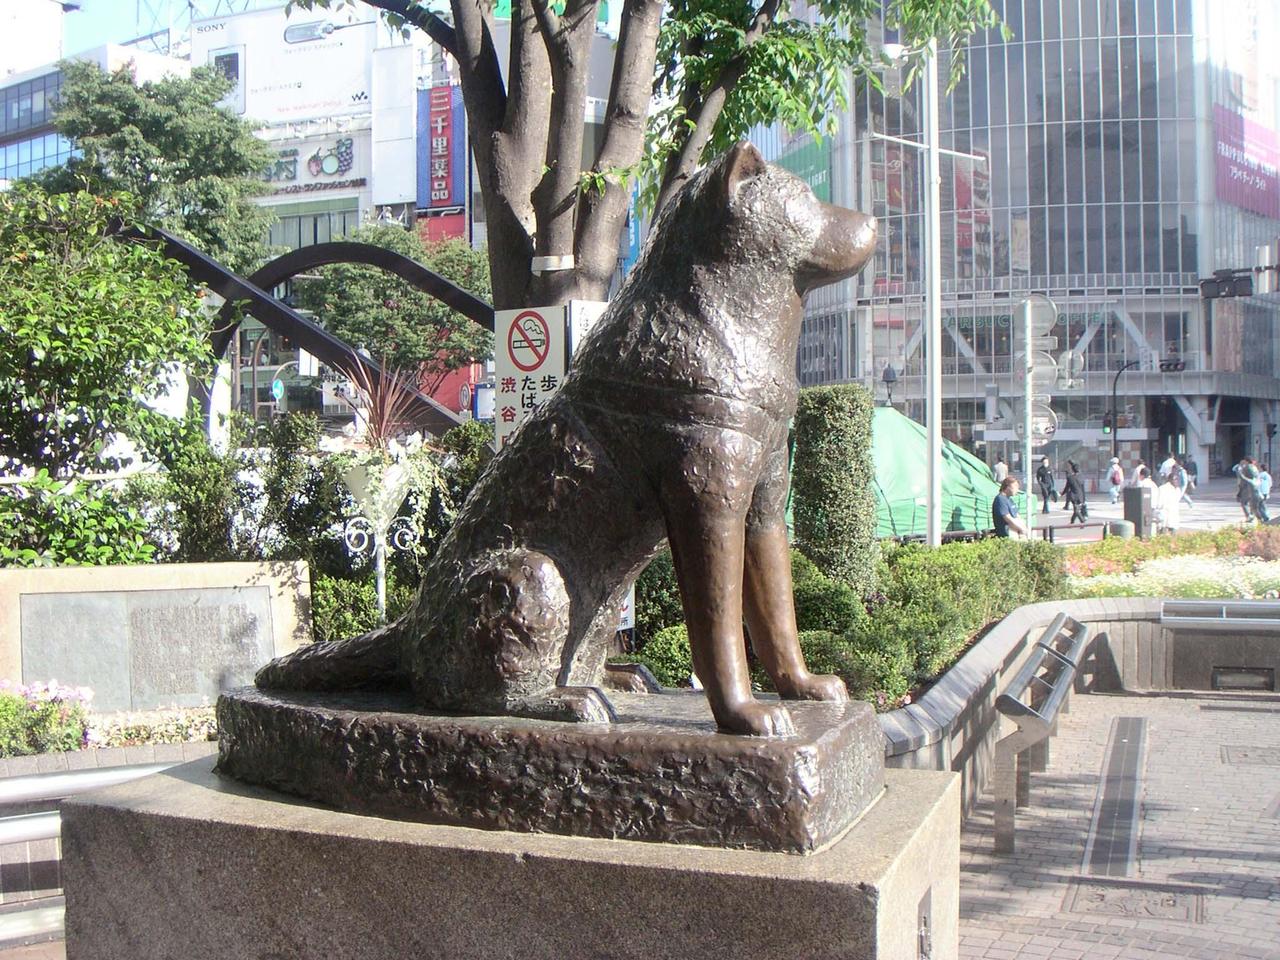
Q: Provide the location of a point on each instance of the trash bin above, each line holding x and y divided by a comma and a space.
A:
1139, 510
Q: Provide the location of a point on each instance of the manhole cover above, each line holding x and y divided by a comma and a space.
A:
1135, 902
1257, 756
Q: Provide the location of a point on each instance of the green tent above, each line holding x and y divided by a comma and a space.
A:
899, 452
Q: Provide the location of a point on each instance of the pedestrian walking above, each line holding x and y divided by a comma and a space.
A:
1115, 477
1000, 470
1264, 493
1166, 467
1169, 504
1073, 493
1044, 480
1246, 487
1183, 480
1136, 477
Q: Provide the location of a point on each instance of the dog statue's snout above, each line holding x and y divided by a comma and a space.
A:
844, 245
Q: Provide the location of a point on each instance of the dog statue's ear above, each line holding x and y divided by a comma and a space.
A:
743, 163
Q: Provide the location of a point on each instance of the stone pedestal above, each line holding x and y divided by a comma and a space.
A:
190, 864
662, 772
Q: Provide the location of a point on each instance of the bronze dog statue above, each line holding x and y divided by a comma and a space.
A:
671, 423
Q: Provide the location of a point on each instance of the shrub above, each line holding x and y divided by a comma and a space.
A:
668, 655
42, 718
657, 598
822, 604
46, 522
468, 448
937, 600
1237, 578
833, 504
343, 608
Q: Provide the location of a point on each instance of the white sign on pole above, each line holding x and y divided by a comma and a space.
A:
532, 356
628, 619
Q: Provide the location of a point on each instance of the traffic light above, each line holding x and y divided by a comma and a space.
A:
1271, 430
1175, 365
1227, 283
1106, 423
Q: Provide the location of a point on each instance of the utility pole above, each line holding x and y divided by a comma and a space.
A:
1115, 423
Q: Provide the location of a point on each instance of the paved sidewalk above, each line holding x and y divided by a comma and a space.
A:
1204, 880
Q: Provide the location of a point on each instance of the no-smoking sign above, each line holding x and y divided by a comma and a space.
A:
532, 356
529, 341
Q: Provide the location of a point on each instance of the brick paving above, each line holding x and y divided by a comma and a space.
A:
1205, 882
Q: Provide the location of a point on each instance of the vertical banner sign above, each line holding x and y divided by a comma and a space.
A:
441, 148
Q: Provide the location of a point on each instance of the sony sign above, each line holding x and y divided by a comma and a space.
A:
313, 63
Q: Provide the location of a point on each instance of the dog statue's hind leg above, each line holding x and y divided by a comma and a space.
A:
513, 617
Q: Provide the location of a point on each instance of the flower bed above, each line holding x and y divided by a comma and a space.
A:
1190, 577
55, 718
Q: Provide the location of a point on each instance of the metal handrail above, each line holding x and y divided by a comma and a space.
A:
56, 786
1220, 614
42, 919
1032, 700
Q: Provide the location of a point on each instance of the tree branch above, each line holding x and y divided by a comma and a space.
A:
423, 19
548, 20
555, 197
705, 114
600, 216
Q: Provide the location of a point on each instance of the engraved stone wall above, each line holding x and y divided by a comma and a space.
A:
142, 649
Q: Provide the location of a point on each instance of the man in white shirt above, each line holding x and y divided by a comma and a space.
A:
1166, 468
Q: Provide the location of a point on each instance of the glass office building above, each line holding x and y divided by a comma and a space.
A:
28, 142
1108, 155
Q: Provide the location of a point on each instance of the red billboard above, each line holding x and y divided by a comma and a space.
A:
1248, 163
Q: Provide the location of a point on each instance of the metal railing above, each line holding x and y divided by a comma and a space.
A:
43, 921
1234, 616
1034, 698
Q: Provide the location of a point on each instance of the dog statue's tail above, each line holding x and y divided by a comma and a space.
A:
369, 660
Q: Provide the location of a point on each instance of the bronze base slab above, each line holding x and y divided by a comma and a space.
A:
662, 773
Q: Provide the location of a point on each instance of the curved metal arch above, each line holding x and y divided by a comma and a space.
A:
299, 261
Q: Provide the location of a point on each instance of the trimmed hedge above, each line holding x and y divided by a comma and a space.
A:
930, 605
832, 477
657, 598
342, 608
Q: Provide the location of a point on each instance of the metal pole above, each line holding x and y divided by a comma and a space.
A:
1115, 419
257, 352
1028, 370
933, 295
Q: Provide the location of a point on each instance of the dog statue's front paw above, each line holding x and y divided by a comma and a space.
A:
815, 686
574, 704
757, 719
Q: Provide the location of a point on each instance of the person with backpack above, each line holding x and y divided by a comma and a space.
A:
1115, 477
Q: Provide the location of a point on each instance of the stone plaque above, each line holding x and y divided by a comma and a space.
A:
1136, 902
142, 649
1255, 756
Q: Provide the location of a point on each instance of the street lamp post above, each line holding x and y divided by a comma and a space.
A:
933, 294
1115, 422
933, 275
